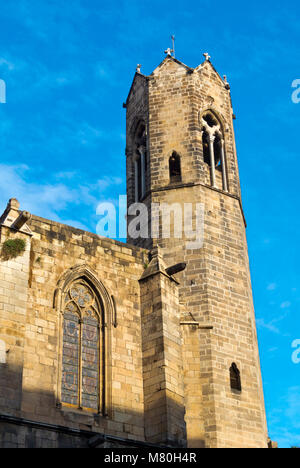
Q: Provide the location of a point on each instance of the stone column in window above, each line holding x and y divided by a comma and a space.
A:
224, 173
136, 175
80, 364
212, 160
142, 151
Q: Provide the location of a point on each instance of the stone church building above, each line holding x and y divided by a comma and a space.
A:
149, 343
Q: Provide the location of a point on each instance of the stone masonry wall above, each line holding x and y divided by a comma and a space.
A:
14, 275
162, 358
30, 328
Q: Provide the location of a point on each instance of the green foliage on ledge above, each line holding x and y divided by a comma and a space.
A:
12, 248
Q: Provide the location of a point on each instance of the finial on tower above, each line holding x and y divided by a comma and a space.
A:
207, 56
227, 85
138, 68
171, 51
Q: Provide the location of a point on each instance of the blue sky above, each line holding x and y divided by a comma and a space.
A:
68, 67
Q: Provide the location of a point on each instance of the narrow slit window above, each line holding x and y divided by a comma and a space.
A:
235, 378
175, 168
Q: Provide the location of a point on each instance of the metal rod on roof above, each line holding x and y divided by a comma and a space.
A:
173, 41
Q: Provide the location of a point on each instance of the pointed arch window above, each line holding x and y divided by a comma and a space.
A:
82, 360
175, 168
214, 148
235, 378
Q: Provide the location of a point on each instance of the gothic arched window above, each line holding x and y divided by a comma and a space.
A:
82, 360
235, 378
214, 147
175, 168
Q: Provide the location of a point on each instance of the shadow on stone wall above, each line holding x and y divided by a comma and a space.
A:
10, 388
30, 419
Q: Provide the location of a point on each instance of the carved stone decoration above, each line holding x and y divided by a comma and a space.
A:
2, 352
208, 102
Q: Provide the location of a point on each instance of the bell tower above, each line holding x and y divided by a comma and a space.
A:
182, 166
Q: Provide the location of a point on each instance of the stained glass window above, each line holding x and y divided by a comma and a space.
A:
90, 361
81, 348
70, 355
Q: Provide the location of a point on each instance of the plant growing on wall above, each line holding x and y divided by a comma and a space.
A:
12, 248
